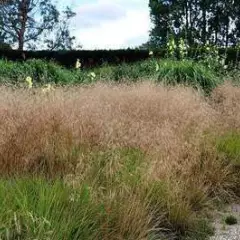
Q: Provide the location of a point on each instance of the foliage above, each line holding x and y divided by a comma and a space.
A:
171, 72
61, 36
127, 72
43, 72
40, 209
199, 22
18, 25
40, 72
171, 47
187, 72
87, 58
96, 58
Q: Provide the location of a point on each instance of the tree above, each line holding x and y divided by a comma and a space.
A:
62, 37
31, 22
160, 16
198, 21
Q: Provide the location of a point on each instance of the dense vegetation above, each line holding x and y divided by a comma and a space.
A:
166, 71
198, 22
97, 58
116, 162
73, 153
119, 145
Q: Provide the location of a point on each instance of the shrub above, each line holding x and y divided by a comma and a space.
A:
187, 72
40, 71
127, 72
43, 71
169, 72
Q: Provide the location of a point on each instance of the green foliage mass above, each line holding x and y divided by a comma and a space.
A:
169, 71
172, 72
199, 22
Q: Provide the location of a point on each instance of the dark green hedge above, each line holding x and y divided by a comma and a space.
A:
87, 58
98, 57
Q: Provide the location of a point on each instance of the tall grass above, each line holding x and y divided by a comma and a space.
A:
189, 73
140, 161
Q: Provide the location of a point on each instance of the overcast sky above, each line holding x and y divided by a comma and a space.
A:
110, 24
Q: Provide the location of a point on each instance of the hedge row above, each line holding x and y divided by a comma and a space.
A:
87, 58
99, 57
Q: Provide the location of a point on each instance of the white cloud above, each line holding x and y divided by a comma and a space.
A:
94, 14
112, 24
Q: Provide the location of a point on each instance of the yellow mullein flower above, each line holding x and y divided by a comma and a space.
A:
151, 53
29, 82
78, 64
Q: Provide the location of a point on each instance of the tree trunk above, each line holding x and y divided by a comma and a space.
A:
190, 35
23, 10
187, 21
204, 32
227, 32
21, 43
216, 24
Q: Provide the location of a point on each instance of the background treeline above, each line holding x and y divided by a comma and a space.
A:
198, 21
96, 58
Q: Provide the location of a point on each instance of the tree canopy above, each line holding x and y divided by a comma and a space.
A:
29, 23
197, 21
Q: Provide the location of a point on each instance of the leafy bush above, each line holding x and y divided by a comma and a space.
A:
187, 72
40, 71
172, 72
127, 72
44, 72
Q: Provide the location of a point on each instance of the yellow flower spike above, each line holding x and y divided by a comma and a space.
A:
29, 82
93, 74
78, 64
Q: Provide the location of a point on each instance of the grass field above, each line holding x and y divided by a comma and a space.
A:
134, 161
